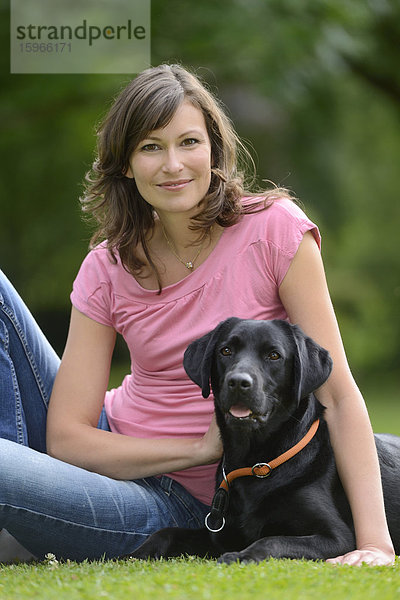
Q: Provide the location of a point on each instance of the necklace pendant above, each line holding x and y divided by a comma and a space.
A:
189, 265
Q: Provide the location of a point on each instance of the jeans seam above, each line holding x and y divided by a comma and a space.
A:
14, 322
169, 491
156, 489
34, 513
193, 517
17, 396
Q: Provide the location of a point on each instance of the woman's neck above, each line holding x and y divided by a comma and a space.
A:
177, 232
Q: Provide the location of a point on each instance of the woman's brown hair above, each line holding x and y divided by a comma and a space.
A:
124, 219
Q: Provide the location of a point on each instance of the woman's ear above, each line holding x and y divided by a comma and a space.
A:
128, 173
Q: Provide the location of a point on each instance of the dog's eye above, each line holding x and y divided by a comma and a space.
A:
226, 351
274, 355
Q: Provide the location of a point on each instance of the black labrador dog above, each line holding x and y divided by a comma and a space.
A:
263, 374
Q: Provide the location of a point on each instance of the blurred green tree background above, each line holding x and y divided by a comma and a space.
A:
313, 86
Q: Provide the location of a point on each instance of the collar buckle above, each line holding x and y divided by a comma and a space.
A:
262, 474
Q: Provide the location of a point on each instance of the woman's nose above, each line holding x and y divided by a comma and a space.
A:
172, 162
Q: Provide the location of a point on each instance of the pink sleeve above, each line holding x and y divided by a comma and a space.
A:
286, 227
91, 293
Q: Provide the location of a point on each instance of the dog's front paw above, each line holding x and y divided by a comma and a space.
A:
155, 547
146, 551
232, 557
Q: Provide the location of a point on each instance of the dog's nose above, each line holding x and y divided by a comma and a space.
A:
241, 381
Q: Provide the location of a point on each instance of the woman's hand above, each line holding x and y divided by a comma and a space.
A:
368, 555
210, 445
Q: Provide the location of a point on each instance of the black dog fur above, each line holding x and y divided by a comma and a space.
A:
300, 511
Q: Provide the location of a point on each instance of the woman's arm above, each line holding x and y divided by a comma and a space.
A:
75, 406
305, 296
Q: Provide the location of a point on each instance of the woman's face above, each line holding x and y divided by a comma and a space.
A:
172, 166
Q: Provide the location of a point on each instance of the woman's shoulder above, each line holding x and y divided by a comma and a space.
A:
276, 210
278, 220
273, 204
102, 254
100, 264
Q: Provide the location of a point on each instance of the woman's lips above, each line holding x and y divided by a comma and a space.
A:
174, 185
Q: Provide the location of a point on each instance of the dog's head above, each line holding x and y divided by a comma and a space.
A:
259, 370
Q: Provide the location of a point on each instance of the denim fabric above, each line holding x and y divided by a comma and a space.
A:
49, 505
28, 366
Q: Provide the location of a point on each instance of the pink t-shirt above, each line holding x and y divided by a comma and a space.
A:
241, 278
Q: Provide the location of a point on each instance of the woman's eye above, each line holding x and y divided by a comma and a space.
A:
190, 142
274, 355
149, 147
226, 351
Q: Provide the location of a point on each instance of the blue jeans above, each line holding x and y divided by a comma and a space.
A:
49, 505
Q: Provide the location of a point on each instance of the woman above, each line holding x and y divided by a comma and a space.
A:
185, 248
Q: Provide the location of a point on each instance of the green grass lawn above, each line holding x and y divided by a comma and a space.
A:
192, 579
197, 580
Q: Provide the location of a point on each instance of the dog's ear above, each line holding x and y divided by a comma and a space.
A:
198, 356
312, 364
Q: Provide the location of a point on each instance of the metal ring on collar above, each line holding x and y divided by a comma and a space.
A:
225, 477
209, 528
258, 466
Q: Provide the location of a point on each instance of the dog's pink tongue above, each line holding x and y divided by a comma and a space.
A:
240, 411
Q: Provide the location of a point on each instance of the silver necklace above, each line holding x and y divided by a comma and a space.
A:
189, 264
